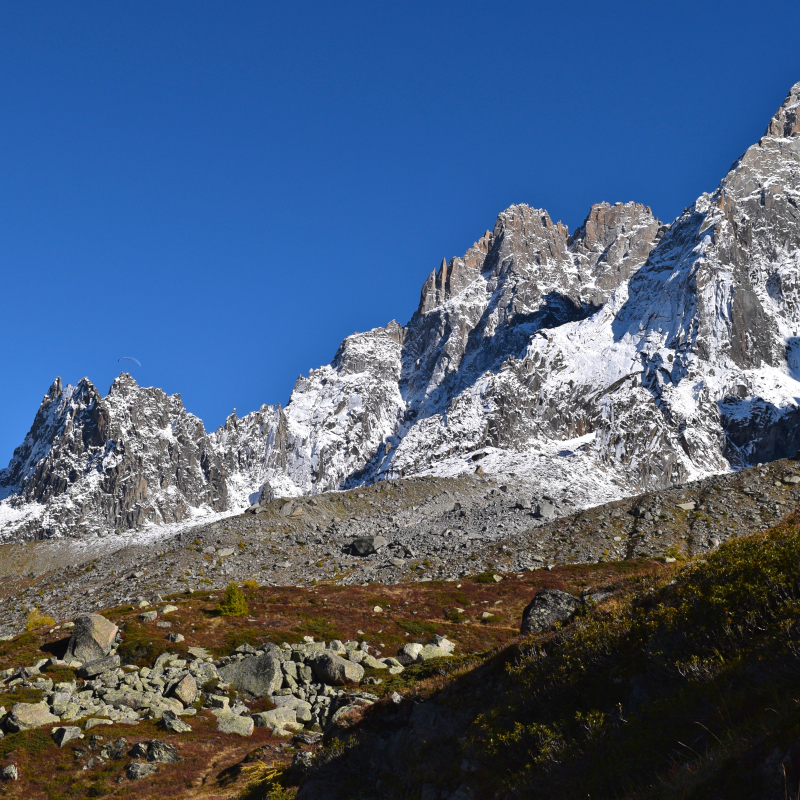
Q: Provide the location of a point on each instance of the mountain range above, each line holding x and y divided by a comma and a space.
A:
627, 356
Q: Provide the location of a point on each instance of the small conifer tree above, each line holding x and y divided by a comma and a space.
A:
233, 604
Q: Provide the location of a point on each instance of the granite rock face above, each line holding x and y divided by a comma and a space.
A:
627, 356
116, 462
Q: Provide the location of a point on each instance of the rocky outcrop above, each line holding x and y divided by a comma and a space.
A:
94, 463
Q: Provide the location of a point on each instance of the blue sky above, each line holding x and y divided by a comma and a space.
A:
226, 190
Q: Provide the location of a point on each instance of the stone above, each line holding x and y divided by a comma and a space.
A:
185, 690
9, 773
409, 653
225, 552
548, 607
175, 637
367, 545
160, 752
98, 666
169, 609
228, 722
545, 510
117, 748
148, 616
136, 770
334, 670
24, 716
280, 721
219, 701
257, 676
199, 653
92, 637
66, 734
688, 506
93, 722
171, 722
444, 643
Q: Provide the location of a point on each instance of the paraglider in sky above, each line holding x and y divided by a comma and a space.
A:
129, 358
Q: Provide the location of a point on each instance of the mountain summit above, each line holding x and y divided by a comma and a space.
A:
627, 356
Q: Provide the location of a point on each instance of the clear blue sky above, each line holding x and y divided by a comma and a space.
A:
226, 190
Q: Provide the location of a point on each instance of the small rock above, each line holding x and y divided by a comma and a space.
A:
93, 722
687, 506
545, 510
148, 616
160, 752
175, 637
169, 609
136, 770
97, 667
280, 721
9, 773
225, 552
367, 545
116, 749
185, 690
377, 610
228, 722
66, 734
171, 722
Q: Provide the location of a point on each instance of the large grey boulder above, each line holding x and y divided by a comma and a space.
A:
257, 676
548, 607
24, 716
367, 545
334, 670
92, 637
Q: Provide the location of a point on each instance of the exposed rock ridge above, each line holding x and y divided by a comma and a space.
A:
93, 463
640, 355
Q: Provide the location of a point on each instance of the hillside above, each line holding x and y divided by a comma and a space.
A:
673, 680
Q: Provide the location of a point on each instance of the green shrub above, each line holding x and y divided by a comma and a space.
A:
233, 604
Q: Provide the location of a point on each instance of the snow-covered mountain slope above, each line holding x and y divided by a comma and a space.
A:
93, 463
625, 357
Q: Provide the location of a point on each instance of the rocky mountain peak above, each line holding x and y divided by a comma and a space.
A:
625, 357
786, 121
